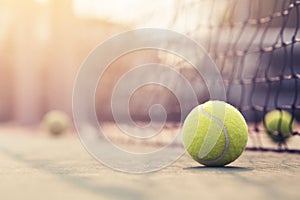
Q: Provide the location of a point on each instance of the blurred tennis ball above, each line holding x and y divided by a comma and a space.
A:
279, 125
56, 122
215, 133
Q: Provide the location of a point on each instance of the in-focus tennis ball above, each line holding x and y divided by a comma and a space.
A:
56, 122
215, 133
278, 125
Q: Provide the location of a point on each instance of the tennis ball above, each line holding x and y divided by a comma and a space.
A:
279, 125
215, 133
56, 122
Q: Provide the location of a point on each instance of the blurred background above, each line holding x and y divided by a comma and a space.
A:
43, 43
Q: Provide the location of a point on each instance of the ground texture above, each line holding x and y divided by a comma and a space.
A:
37, 166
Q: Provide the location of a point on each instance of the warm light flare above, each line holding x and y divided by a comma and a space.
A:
41, 1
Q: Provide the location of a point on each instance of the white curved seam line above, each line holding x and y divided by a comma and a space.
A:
225, 133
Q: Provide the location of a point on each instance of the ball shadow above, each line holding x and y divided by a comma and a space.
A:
224, 169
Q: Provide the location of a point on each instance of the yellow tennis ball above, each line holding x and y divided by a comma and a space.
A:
56, 122
215, 133
279, 125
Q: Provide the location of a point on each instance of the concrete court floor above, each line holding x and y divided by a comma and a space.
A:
34, 165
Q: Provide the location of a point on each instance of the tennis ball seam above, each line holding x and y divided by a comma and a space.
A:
224, 130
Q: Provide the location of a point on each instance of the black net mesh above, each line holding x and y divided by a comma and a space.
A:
256, 45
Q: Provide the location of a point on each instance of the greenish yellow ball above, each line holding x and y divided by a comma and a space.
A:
279, 125
215, 133
56, 122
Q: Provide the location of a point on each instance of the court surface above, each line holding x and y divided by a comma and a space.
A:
34, 165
